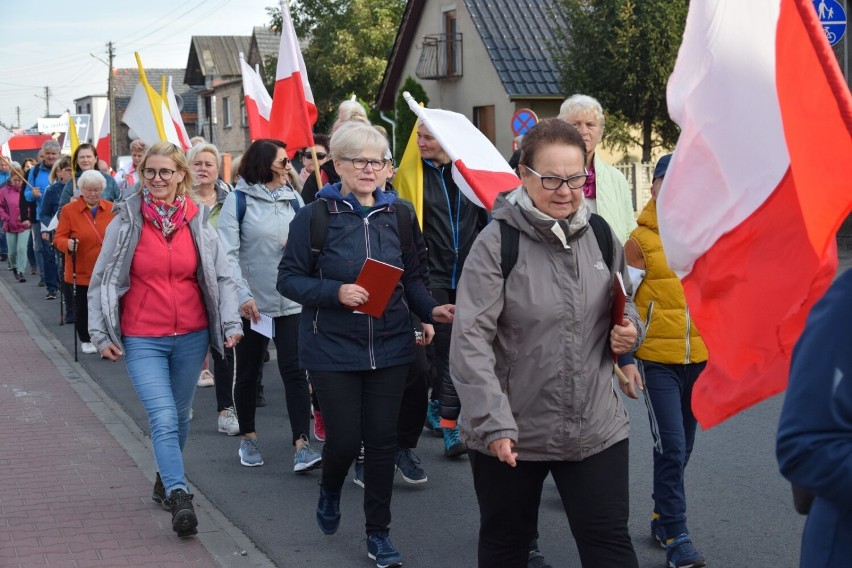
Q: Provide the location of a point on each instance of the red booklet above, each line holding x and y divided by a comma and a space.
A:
619, 300
379, 279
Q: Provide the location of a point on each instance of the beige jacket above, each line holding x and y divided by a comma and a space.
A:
531, 359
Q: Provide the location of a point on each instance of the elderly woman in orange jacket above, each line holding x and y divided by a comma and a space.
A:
79, 236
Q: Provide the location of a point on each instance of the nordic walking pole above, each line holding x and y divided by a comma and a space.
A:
61, 285
74, 294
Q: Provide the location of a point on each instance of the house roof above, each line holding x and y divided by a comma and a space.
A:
215, 57
263, 44
516, 34
125, 80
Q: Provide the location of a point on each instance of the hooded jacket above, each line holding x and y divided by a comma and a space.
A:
530, 356
331, 336
254, 246
111, 277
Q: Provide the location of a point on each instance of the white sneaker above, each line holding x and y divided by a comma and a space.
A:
206, 379
89, 348
228, 423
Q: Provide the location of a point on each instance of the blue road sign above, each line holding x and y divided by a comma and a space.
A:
833, 19
523, 120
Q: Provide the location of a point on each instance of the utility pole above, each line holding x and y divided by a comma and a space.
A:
18, 113
47, 101
113, 134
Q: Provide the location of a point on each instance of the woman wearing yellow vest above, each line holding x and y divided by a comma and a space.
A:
671, 357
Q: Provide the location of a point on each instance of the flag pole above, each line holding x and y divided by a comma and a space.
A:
316, 167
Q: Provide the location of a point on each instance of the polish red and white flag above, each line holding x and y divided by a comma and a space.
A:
258, 102
479, 169
293, 111
757, 188
103, 143
177, 119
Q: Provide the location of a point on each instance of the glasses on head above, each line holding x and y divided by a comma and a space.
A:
362, 163
552, 183
164, 173
282, 163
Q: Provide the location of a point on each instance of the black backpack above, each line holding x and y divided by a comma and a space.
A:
510, 238
319, 227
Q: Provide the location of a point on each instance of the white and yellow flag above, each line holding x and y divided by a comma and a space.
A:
148, 115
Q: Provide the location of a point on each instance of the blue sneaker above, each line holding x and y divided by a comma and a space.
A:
306, 458
250, 453
380, 549
433, 418
408, 464
328, 511
658, 533
453, 446
681, 554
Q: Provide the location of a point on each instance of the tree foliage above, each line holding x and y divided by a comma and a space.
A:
405, 119
622, 52
349, 44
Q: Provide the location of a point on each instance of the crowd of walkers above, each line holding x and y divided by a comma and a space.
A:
498, 336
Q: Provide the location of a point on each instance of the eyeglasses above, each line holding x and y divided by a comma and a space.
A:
320, 156
165, 173
362, 163
552, 183
282, 162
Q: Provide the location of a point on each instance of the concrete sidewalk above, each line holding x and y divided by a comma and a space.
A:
72, 488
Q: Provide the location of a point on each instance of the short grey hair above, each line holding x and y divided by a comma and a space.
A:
91, 177
138, 144
576, 104
193, 152
51, 145
353, 138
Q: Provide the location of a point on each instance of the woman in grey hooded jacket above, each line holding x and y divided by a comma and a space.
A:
532, 360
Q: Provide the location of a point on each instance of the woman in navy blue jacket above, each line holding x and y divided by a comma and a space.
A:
358, 364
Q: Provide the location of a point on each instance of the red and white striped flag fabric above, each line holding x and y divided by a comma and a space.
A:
258, 102
177, 119
478, 168
293, 111
757, 188
103, 144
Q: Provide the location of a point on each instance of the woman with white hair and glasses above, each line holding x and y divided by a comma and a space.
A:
606, 191
358, 363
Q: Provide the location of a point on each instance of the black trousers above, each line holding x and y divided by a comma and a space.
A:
81, 313
412, 411
250, 351
594, 493
443, 331
356, 406
223, 376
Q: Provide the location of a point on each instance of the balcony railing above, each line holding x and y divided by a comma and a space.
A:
440, 57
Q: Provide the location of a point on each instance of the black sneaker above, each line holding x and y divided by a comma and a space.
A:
184, 521
51, 295
4, 257
536, 558
259, 399
159, 494
41, 283
328, 511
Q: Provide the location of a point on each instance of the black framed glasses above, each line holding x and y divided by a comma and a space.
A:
552, 183
164, 173
320, 156
362, 163
282, 162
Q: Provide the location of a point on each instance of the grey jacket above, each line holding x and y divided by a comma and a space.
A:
255, 246
530, 358
111, 277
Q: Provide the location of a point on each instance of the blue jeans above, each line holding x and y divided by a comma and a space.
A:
4, 249
38, 245
669, 390
51, 270
164, 371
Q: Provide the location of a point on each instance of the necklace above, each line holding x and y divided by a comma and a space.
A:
209, 198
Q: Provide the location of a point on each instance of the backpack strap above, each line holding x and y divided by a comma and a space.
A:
603, 235
510, 239
241, 206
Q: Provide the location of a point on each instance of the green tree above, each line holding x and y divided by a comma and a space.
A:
349, 44
622, 52
405, 118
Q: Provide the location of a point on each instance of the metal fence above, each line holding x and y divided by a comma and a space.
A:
639, 179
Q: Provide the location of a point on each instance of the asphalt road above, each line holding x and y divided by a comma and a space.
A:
740, 508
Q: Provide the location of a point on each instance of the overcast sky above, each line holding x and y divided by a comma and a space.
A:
48, 43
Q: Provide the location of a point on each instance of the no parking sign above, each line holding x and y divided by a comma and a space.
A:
523, 120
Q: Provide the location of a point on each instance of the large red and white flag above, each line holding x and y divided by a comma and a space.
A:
756, 190
478, 168
177, 119
258, 102
103, 143
293, 111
